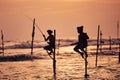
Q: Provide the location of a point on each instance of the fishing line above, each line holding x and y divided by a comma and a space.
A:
35, 24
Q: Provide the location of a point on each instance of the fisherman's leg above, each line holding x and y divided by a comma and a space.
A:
51, 48
45, 48
84, 51
48, 49
76, 49
51, 51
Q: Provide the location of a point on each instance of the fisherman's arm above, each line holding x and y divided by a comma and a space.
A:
45, 37
74, 43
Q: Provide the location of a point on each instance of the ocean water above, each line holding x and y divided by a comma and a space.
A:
69, 64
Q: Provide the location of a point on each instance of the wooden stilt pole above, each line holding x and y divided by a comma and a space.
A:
54, 57
119, 51
110, 44
118, 40
2, 37
33, 33
117, 29
97, 45
86, 63
58, 46
101, 42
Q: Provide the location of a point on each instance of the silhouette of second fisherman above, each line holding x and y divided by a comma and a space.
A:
51, 42
82, 42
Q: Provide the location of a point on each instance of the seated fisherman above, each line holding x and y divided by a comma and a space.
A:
82, 42
51, 42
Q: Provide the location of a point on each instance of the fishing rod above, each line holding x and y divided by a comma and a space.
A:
35, 24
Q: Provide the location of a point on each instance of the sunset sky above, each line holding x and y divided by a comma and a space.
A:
62, 15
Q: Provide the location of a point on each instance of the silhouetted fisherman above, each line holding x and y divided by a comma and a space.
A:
51, 41
82, 42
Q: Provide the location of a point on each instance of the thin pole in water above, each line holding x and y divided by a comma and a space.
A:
97, 45
86, 63
2, 37
119, 51
58, 46
118, 40
101, 42
110, 44
117, 29
33, 33
54, 57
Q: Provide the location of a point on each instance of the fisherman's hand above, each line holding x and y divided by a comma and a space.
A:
72, 44
43, 35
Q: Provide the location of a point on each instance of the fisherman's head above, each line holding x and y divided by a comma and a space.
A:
80, 29
49, 31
